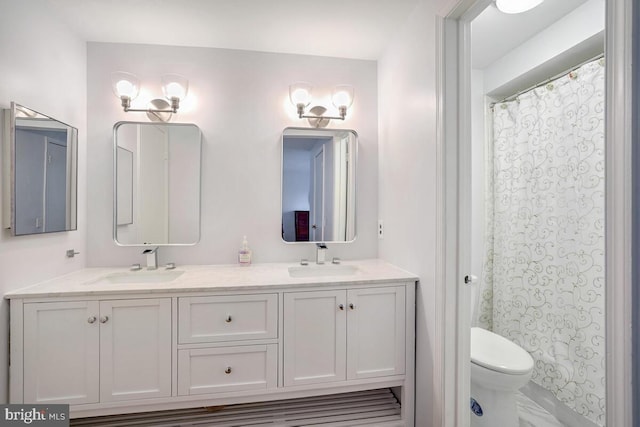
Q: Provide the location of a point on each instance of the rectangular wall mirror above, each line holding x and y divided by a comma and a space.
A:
40, 164
156, 184
319, 185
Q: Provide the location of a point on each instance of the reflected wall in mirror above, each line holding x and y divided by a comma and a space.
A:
124, 181
41, 173
319, 185
157, 184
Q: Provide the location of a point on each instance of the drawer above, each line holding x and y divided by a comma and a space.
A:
227, 318
225, 369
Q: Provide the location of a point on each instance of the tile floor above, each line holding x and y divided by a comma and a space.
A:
533, 415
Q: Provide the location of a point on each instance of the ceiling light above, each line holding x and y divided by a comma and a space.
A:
175, 87
300, 96
516, 6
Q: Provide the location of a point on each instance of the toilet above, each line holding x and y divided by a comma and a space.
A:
499, 368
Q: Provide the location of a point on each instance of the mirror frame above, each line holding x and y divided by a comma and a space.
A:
355, 186
115, 185
9, 171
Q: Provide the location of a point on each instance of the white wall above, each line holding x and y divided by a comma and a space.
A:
240, 101
43, 67
407, 180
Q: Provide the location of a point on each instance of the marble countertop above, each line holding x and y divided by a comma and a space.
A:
198, 278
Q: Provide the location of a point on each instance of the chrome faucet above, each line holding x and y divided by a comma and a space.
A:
152, 258
321, 252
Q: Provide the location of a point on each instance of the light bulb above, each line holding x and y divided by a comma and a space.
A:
174, 90
125, 85
342, 96
125, 88
300, 93
175, 86
516, 6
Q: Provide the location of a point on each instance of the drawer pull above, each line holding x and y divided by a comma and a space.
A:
228, 319
104, 319
92, 319
228, 370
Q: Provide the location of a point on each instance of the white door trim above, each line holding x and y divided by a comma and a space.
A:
451, 373
618, 212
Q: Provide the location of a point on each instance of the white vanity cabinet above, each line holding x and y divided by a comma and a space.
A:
213, 337
344, 334
81, 352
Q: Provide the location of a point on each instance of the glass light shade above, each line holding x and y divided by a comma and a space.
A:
516, 6
125, 84
175, 86
342, 96
300, 93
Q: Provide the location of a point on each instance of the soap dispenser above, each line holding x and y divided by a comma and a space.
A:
244, 254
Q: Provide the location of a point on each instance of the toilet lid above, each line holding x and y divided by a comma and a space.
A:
497, 353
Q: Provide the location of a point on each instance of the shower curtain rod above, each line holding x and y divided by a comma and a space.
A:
550, 79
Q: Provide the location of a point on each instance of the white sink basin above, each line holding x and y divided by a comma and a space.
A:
322, 270
142, 276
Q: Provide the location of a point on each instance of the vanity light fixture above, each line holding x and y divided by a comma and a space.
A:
300, 96
516, 6
175, 87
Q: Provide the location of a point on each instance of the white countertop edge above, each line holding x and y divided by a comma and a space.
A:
208, 278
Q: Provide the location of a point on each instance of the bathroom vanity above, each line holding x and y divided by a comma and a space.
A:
111, 341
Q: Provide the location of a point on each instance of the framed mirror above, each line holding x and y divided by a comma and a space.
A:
156, 184
41, 172
319, 185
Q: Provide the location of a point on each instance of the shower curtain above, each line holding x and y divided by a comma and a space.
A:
543, 279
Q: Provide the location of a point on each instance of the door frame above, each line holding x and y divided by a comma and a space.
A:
452, 370
318, 188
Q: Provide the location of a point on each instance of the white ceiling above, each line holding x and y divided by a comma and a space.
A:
350, 29
495, 33
357, 29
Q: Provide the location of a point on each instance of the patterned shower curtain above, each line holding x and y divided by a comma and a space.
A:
543, 283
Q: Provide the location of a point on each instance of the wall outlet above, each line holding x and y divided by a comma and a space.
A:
380, 229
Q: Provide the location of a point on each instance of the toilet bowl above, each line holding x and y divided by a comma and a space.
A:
499, 367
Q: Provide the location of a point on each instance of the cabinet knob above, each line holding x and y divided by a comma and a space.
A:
351, 306
341, 306
228, 319
92, 319
104, 319
228, 370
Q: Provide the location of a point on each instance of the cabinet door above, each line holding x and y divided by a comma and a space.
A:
61, 352
375, 332
314, 337
135, 349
